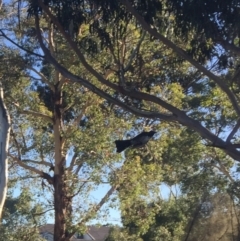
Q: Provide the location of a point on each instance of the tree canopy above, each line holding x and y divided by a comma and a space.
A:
78, 75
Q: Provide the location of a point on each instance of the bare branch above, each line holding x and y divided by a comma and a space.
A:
50, 39
43, 77
233, 132
41, 213
222, 169
106, 197
16, 143
78, 168
38, 162
32, 169
229, 46
77, 119
73, 161
135, 51
37, 114
95, 209
19, 46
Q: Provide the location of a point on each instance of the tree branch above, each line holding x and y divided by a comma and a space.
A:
50, 39
178, 115
134, 94
97, 207
95, 89
135, 51
73, 161
233, 132
32, 169
183, 54
19, 46
38, 162
229, 46
79, 167
43, 77
37, 114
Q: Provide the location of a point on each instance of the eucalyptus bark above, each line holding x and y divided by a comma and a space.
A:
61, 204
4, 141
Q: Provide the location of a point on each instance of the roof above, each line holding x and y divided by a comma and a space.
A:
99, 233
95, 233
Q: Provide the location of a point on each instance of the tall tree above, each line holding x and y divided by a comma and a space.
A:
60, 137
159, 19
4, 141
117, 51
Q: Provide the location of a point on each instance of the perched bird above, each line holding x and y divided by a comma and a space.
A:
138, 141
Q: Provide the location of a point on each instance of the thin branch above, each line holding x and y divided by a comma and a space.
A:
50, 39
37, 114
221, 167
80, 188
43, 77
135, 51
233, 132
24, 144
78, 168
77, 119
229, 46
16, 143
35, 170
19, 46
62, 81
38, 162
41, 213
195, 215
73, 161
26, 149
97, 207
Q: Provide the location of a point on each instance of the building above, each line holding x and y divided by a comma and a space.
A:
94, 233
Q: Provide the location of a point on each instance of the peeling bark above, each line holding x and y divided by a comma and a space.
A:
4, 140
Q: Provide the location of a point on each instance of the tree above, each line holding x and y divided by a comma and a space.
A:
203, 191
59, 138
157, 15
117, 51
4, 140
21, 218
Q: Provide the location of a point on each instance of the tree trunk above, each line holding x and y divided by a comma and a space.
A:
61, 202
60, 208
4, 140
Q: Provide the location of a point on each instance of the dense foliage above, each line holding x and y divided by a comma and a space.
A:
78, 75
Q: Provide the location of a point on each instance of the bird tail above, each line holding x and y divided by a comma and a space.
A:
122, 145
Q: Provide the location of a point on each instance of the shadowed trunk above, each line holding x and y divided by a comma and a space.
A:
61, 203
60, 206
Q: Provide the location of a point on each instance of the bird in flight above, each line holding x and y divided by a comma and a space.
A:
138, 141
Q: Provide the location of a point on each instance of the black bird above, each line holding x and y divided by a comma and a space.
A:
138, 141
